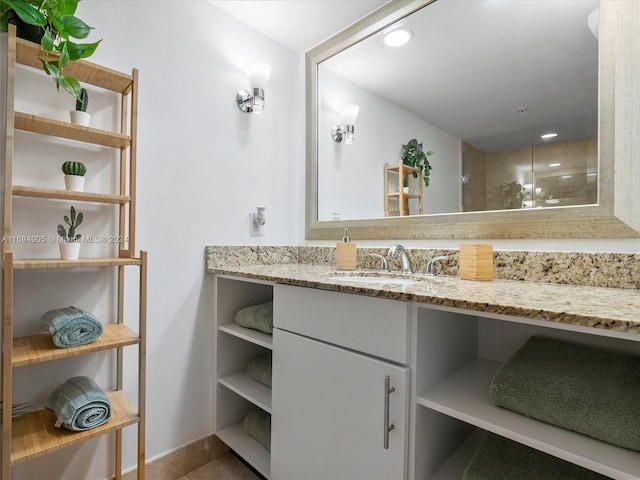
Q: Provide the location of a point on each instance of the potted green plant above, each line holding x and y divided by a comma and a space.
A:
58, 24
74, 175
79, 116
512, 195
414, 155
70, 240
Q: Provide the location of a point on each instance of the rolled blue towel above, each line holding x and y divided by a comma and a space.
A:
79, 404
71, 327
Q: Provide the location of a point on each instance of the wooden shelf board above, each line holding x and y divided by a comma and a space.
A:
248, 334
249, 449
23, 191
41, 263
55, 128
34, 434
465, 395
40, 348
405, 195
246, 387
405, 168
29, 53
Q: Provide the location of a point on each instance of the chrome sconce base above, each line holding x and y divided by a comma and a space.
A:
340, 134
249, 103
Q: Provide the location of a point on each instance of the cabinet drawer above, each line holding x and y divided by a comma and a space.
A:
376, 326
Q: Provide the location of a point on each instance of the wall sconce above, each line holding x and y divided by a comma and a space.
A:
258, 76
345, 131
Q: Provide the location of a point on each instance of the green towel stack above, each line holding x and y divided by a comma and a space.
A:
260, 370
500, 459
257, 423
257, 317
588, 390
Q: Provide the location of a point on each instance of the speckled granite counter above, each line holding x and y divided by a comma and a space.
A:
615, 309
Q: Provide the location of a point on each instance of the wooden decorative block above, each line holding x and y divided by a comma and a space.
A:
476, 261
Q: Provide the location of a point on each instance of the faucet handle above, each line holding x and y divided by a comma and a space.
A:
384, 265
430, 272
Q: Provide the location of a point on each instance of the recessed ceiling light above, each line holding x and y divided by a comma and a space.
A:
397, 37
547, 136
555, 164
565, 176
592, 174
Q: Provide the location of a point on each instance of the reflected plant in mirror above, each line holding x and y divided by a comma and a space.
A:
413, 154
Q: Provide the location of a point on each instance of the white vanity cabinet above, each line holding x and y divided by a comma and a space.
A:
235, 393
340, 380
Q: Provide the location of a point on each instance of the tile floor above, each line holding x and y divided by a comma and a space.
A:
227, 467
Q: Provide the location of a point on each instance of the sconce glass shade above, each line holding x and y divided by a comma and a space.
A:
349, 114
258, 75
593, 21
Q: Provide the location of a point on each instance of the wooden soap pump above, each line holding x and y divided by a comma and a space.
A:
346, 253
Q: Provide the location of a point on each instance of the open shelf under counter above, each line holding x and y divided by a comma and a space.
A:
465, 395
40, 348
246, 387
41, 263
254, 336
24, 191
29, 53
34, 434
249, 449
457, 463
56, 128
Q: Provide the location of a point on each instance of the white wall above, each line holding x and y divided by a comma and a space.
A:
203, 166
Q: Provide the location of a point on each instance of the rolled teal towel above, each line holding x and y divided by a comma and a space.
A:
79, 404
260, 370
257, 317
500, 459
71, 327
257, 423
581, 388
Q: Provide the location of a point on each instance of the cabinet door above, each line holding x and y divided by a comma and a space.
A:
329, 413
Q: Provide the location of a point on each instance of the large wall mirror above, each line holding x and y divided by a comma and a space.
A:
515, 99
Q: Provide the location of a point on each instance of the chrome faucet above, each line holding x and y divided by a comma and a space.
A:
430, 272
404, 257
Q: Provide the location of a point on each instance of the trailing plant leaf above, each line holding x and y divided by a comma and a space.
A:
27, 13
413, 154
74, 27
81, 50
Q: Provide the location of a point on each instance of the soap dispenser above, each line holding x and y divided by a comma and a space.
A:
346, 253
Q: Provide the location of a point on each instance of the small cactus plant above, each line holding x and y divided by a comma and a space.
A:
82, 101
74, 168
73, 221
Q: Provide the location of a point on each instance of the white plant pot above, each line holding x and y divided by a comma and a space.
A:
74, 182
80, 118
69, 251
405, 189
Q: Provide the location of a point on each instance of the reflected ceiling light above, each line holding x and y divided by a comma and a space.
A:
566, 176
555, 164
345, 131
397, 37
549, 135
258, 75
592, 174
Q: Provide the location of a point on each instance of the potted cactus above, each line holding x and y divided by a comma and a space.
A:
79, 116
74, 175
69, 241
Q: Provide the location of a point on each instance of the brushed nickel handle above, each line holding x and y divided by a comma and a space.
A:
388, 390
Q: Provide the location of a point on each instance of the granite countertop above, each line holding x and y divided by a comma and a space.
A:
615, 309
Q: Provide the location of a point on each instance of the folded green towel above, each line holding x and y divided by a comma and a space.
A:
257, 317
500, 459
581, 388
260, 370
79, 404
257, 423
71, 327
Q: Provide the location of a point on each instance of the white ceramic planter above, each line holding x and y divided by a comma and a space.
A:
405, 189
80, 118
74, 182
69, 251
